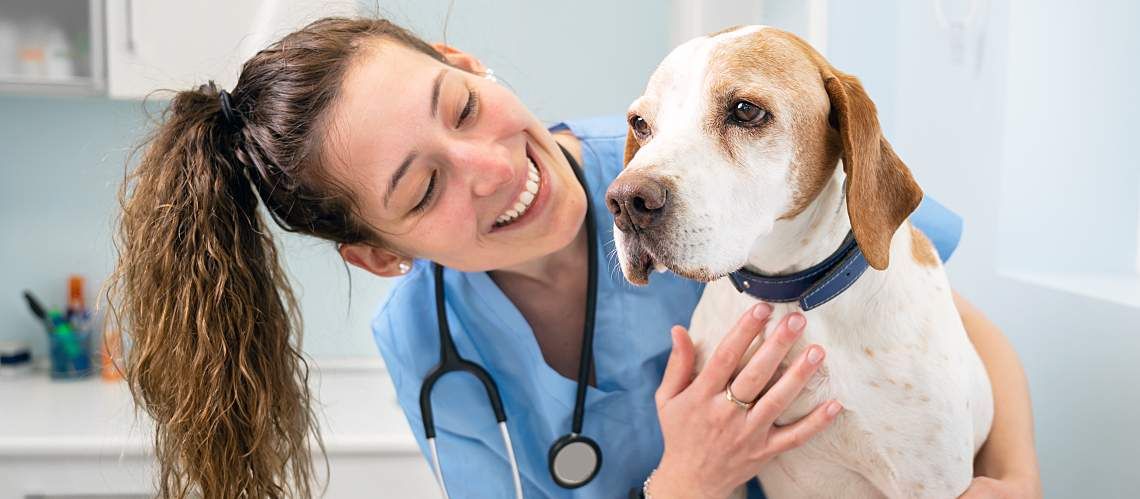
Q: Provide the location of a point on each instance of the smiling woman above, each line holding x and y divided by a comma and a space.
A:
198, 287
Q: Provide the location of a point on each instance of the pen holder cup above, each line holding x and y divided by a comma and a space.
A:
71, 354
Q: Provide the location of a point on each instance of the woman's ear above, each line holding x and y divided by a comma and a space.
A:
379, 261
459, 58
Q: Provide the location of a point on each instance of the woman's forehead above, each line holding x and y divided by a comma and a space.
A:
383, 104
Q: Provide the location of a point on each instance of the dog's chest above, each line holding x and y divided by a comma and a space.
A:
893, 372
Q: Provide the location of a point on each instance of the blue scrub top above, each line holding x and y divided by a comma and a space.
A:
631, 346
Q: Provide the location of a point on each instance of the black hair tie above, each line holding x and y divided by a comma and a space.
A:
228, 113
229, 116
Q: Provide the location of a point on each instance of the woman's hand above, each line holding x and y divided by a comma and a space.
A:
989, 488
712, 445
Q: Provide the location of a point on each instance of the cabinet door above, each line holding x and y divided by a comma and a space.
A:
176, 44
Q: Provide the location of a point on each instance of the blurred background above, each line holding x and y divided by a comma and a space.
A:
1017, 114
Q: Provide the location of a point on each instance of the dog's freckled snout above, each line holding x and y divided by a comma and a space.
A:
637, 201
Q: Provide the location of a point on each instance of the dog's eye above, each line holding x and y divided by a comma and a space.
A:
640, 126
747, 113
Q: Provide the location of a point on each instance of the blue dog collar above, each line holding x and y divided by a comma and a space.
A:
811, 287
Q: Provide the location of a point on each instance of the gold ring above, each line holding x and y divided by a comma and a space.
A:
732, 398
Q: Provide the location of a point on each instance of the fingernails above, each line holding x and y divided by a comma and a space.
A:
796, 322
761, 310
815, 354
833, 408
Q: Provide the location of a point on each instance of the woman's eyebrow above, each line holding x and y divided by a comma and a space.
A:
435, 86
397, 175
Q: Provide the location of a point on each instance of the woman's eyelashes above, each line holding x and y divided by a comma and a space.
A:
429, 193
469, 109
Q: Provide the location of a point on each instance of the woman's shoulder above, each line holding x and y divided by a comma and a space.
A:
602, 140
409, 302
596, 128
941, 225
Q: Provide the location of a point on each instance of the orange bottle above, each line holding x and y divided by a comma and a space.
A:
112, 351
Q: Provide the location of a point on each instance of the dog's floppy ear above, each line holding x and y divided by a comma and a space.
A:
631, 146
881, 193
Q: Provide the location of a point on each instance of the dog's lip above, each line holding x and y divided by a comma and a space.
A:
640, 261
644, 256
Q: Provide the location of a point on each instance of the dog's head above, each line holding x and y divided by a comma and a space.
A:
740, 129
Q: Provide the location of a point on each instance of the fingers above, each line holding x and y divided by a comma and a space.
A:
751, 380
781, 395
714, 377
796, 434
679, 367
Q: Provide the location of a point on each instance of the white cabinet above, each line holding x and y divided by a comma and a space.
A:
175, 44
127, 49
51, 47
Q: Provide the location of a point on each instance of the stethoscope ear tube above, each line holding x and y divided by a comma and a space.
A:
450, 361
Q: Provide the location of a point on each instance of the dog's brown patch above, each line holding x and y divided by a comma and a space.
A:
768, 69
868, 351
829, 116
922, 249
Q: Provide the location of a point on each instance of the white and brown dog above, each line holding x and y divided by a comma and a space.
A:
748, 149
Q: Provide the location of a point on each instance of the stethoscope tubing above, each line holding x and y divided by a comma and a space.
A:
451, 361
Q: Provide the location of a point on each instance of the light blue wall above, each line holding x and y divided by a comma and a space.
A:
1030, 129
62, 159
565, 59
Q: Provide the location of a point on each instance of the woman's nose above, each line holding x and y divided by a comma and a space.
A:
488, 168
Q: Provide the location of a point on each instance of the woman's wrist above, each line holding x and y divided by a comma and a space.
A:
671, 482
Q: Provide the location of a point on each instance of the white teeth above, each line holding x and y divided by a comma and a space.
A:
526, 197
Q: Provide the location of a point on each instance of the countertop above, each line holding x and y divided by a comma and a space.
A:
92, 417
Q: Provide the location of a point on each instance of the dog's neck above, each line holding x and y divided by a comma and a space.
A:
809, 237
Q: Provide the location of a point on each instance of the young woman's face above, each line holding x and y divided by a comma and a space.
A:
439, 160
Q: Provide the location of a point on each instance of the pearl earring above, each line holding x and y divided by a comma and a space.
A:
405, 267
490, 75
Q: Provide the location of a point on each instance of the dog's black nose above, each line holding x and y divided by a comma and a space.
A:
637, 201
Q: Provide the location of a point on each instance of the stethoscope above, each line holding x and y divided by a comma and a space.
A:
574, 459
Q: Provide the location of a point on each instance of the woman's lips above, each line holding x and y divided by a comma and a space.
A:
539, 202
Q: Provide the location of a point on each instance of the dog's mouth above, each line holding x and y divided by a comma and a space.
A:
644, 258
641, 262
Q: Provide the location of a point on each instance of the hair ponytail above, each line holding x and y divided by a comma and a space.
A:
213, 325
210, 316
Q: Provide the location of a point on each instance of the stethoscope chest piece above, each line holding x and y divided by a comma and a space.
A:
574, 460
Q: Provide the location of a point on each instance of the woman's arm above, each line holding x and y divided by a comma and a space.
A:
1006, 466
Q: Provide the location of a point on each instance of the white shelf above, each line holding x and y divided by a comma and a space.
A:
1118, 288
90, 417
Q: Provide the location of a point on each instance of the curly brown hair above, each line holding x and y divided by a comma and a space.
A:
212, 322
